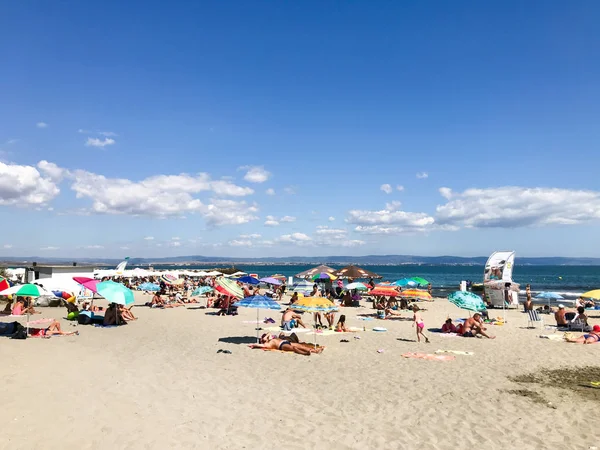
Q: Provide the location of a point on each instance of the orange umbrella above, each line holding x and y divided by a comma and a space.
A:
416, 294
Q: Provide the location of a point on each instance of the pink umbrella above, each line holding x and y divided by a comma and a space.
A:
88, 283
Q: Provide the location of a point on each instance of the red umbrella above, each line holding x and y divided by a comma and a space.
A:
3, 284
389, 292
88, 283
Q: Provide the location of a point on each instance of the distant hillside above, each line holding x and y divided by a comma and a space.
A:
334, 260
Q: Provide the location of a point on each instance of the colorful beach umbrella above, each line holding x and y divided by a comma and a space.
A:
30, 290
115, 293
258, 302
388, 292
467, 300
88, 283
271, 280
356, 286
169, 279
248, 280
311, 272
353, 271
201, 290
416, 294
315, 304
406, 282
420, 281
549, 296
4, 284
595, 294
229, 286
324, 276
152, 287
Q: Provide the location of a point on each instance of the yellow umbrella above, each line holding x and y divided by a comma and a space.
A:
315, 304
416, 294
595, 294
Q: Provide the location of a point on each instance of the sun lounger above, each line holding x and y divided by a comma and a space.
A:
533, 318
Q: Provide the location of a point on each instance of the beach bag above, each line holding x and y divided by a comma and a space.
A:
20, 332
84, 319
6, 329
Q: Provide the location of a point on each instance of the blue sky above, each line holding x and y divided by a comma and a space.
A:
299, 128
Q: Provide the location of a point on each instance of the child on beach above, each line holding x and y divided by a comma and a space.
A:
418, 322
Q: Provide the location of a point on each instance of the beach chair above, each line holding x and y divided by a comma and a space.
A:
534, 317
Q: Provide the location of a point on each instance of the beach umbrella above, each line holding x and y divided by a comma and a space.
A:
314, 304
248, 280
149, 287
115, 293
229, 286
390, 292
258, 302
302, 286
467, 300
271, 280
168, 278
353, 271
311, 272
406, 282
4, 284
595, 294
356, 286
25, 290
416, 294
324, 276
420, 281
88, 283
201, 290
549, 296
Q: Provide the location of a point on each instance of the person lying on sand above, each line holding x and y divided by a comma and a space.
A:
472, 327
52, 330
270, 343
592, 337
290, 320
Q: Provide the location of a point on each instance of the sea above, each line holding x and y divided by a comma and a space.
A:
567, 281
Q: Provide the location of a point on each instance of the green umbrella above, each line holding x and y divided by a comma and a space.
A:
467, 300
30, 290
420, 281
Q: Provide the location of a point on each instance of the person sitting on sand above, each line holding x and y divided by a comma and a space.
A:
270, 343
592, 337
20, 308
472, 327
112, 316
580, 321
7, 311
448, 326
126, 313
157, 301
559, 316
52, 330
294, 298
341, 325
290, 319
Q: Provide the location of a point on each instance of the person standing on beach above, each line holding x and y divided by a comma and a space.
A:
420, 325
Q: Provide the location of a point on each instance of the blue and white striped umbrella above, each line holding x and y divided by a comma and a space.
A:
149, 287
201, 290
259, 302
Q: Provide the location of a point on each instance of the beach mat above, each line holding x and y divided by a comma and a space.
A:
454, 352
428, 356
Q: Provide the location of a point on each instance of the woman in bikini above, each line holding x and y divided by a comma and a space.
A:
268, 342
592, 337
53, 330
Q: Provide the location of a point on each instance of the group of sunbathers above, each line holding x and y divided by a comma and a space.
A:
21, 307
286, 344
472, 327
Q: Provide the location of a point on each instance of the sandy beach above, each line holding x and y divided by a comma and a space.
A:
160, 382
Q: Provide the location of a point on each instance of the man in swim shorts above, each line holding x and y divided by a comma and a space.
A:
473, 327
290, 320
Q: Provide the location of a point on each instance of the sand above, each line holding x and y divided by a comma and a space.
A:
159, 383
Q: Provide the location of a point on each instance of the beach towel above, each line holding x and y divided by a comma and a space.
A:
428, 356
40, 321
280, 330
553, 337
449, 334
454, 352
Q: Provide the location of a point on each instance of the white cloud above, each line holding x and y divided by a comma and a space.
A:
124, 248
250, 236
93, 247
295, 238
400, 188
290, 190
51, 170
49, 248
335, 237
41, 125
393, 205
331, 219
271, 221
149, 238
7, 246
270, 191
287, 219
226, 188
387, 188
25, 186
240, 243
176, 238
256, 174
512, 207
326, 231
108, 133
390, 220
174, 244
95, 142
229, 212
422, 175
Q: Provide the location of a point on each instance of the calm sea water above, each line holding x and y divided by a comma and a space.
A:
568, 281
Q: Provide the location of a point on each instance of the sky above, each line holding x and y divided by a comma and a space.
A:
310, 128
